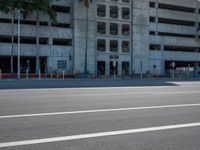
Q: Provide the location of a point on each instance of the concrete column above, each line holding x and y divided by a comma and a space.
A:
196, 65
156, 6
107, 72
107, 45
119, 46
162, 70
120, 29
119, 68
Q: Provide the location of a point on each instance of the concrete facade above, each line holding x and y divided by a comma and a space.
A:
149, 36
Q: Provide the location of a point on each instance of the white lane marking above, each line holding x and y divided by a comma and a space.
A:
99, 110
169, 93
95, 135
84, 88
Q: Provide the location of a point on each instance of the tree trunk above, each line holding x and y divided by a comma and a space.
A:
12, 41
86, 40
37, 43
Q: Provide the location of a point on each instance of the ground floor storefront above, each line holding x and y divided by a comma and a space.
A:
26, 63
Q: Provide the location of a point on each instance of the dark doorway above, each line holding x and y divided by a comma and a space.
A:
113, 68
101, 66
25, 63
125, 68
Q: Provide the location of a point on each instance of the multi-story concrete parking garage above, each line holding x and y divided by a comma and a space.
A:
111, 36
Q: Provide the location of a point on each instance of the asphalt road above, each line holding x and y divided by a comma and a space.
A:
163, 117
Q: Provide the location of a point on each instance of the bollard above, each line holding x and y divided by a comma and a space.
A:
39, 75
63, 74
26, 73
74, 73
114, 74
0, 74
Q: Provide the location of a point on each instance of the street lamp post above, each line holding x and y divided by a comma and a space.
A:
18, 44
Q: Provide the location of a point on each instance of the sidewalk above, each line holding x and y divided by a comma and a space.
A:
81, 83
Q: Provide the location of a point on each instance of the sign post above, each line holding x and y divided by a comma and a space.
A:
114, 65
0, 74
173, 71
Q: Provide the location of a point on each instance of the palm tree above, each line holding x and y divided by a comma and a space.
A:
6, 7
87, 4
38, 6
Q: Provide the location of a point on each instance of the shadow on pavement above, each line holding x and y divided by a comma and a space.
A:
34, 84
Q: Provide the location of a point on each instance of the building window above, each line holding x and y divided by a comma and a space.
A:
101, 28
101, 10
152, 19
101, 45
61, 25
152, 4
114, 29
125, 13
61, 9
66, 42
125, 46
113, 11
61, 64
125, 29
155, 47
44, 40
126, 1
113, 46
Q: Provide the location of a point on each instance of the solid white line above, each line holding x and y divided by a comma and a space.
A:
84, 88
184, 92
95, 135
98, 111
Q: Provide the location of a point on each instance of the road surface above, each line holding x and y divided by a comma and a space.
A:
103, 118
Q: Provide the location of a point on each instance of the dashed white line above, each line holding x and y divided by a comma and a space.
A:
96, 135
98, 111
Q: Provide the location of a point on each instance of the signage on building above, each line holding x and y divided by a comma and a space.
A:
114, 57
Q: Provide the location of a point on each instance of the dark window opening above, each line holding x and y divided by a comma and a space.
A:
101, 10
181, 48
114, 46
42, 23
113, 11
44, 40
155, 47
101, 45
5, 39
152, 4
66, 42
176, 22
61, 9
175, 34
114, 29
125, 30
61, 25
101, 27
125, 13
176, 8
152, 19
125, 46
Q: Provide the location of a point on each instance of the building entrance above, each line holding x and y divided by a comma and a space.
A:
101, 66
113, 68
25, 63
